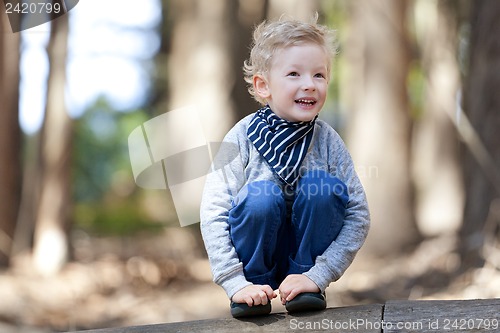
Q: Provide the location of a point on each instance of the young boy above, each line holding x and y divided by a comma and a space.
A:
288, 212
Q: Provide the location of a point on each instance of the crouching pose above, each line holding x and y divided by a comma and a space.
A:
288, 213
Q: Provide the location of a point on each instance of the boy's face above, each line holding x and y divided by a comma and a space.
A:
295, 87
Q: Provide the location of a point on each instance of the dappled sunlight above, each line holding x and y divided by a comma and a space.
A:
129, 281
111, 116
165, 278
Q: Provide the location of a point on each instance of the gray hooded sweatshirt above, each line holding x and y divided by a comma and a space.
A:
238, 163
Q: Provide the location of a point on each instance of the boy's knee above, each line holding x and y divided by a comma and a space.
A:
261, 198
321, 187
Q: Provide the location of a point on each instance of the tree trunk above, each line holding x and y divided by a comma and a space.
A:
205, 71
482, 105
199, 63
10, 137
380, 133
51, 241
246, 14
208, 47
437, 169
298, 9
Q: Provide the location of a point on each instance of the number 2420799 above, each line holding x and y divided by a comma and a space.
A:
33, 8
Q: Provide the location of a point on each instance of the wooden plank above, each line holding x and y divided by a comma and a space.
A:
442, 316
359, 319
394, 316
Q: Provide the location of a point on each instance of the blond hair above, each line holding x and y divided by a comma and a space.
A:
270, 37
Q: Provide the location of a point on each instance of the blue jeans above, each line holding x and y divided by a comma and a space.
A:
272, 246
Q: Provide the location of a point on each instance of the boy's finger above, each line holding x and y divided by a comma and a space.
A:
263, 298
283, 296
292, 295
269, 292
248, 300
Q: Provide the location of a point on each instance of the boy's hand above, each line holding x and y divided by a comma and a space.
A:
254, 294
295, 284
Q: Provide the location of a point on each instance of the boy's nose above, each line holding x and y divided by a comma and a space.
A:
308, 84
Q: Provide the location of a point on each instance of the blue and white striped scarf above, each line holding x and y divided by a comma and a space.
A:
283, 144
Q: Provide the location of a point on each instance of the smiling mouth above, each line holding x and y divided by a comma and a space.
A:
305, 102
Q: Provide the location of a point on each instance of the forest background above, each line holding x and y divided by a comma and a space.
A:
414, 94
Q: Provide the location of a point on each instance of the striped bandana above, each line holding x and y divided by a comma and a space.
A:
282, 143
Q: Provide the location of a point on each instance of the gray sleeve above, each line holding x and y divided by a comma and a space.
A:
222, 184
332, 264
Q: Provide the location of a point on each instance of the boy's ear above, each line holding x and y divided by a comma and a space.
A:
261, 87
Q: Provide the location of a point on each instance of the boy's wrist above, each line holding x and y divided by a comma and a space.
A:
234, 283
318, 279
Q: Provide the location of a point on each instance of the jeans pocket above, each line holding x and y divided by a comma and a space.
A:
266, 278
297, 268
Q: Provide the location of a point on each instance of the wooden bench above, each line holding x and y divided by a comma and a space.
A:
393, 316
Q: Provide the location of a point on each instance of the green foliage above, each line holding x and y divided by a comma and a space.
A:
117, 218
100, 149
104, 191
333, 14
416, 82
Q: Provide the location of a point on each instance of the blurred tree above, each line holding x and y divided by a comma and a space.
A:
335, 15
50, 240
10, 137
207, 48
380, 136
100, 149
208, 44
200, 67
298, 9
159, 95
482, 106
107, 201
245, 15
437, 171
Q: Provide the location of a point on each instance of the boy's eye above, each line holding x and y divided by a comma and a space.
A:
293, 74
319, 75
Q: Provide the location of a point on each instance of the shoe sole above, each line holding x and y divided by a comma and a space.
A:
239, 310
306, 302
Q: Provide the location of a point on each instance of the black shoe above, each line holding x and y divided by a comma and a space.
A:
243, 310
306, 302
